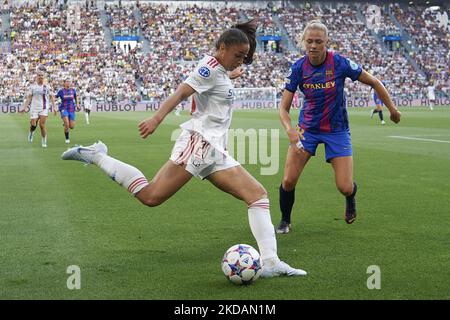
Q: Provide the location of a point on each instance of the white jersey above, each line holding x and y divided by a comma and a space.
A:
40, 97
211, 108
88, 100
431, 94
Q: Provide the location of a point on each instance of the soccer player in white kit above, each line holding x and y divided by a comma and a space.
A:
88, 102
200, 150
40, 96
431, 95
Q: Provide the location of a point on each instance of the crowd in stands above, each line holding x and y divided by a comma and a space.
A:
351, 38
121, 19
66, 44
377, 20
432, 41
69, 42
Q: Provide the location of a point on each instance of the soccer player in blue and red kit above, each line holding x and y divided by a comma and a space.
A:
321, 75
378, 104
69, 103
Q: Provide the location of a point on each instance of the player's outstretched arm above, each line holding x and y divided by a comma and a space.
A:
148, 126
381, 91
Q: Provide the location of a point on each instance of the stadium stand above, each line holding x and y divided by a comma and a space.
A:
68, 40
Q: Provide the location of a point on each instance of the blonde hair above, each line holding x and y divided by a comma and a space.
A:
315, 24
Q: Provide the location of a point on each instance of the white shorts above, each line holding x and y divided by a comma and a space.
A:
200, 157
34, 114
87, 107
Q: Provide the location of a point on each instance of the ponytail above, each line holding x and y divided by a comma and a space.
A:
249, 28
240, 33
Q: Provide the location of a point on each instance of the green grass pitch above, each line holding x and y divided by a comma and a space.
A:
58, 213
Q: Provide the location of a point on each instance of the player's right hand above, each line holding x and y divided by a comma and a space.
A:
395, 116
294, 140
147, 127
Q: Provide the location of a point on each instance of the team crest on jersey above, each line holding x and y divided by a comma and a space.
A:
204, 72
289, 73
329, 73
353, 65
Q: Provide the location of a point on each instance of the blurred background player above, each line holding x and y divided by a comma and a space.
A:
88, 102
200, 150
378, 103
39, 95
321, 75
67, 107
431, 95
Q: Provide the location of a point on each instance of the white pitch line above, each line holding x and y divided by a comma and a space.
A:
419, 139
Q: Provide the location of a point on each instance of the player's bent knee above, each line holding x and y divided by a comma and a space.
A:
151, 202
288, 184
346, 189
261, 193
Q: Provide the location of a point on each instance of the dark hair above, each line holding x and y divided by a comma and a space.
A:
241, 33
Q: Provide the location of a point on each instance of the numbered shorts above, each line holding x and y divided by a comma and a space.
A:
35, 113
200, 157
337, 144
70, 115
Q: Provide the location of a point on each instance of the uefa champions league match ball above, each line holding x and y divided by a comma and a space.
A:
241, 264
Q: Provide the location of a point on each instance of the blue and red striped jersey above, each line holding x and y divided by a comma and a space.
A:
67, 97
324, 108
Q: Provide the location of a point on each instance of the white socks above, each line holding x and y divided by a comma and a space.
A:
263, 231
86, 115
127, 176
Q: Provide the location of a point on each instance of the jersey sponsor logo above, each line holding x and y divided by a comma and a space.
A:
353, 65
204, 72
230, 94
318, 86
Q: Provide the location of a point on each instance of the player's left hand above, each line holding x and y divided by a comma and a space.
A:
236, 73
395, 116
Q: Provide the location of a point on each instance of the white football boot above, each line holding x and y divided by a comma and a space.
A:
85, 154
281, 269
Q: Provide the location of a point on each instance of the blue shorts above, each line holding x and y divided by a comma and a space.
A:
337, 144
65, 113
378, 102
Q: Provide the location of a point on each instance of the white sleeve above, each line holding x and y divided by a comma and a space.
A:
202, 78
